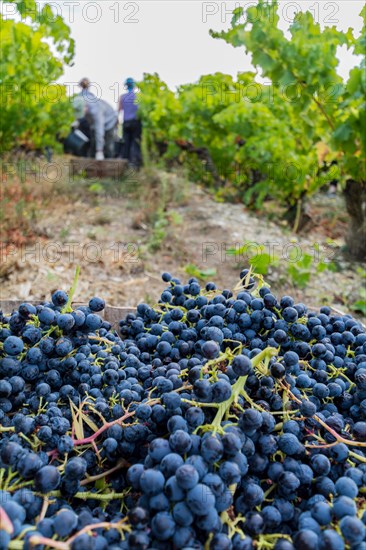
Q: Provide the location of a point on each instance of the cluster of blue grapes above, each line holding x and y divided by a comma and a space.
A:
208, 421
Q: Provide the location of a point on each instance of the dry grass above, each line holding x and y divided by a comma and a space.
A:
159, 191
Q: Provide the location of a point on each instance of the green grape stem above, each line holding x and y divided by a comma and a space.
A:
238, 387
90, 495
68, 306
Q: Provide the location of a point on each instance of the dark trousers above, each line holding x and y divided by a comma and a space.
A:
132, 131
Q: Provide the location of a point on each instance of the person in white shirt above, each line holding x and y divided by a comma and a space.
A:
103, 120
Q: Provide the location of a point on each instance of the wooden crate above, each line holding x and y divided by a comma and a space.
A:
91, 168
111, 314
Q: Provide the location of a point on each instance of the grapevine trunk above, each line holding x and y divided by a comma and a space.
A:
355, 197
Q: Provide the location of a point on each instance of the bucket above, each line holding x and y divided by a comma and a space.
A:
76, 143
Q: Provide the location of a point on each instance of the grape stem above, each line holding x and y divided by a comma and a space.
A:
269, 491
5, 522
68, 306
121, 464
106, 426
45, 505
35, 540
90, 495
339, 438
238, 387
91, 439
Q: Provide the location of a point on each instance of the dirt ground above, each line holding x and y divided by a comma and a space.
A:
122, 252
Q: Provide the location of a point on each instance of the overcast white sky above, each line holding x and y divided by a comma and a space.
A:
117, 38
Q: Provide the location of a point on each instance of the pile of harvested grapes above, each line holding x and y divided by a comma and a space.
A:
212, 420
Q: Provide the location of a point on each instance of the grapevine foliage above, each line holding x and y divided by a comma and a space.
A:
306, 65
33, 53
268, 140
244, 129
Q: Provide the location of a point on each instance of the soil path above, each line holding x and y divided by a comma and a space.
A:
118, 264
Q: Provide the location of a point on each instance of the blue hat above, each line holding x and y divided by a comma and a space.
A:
130, 83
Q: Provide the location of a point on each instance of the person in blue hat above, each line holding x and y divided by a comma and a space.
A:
132, 127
